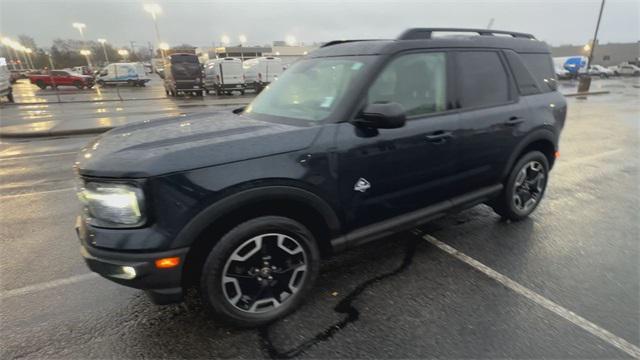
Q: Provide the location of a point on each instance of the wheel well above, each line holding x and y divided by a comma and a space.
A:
293, 209
545, 147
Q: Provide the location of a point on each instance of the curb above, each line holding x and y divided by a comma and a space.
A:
53, 133
587, 93
97, 101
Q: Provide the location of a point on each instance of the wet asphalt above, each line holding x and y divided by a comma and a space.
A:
400, 297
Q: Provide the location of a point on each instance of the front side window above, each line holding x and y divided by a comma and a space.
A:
482, 79
418, 82
309, 90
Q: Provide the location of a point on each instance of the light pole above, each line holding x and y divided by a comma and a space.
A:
80, 27
86, 53
243, 40
28, 51
104, 49
585, 81
10, 44
155, 10
290, 40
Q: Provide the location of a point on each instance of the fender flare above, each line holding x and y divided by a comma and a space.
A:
232, 202
540, 134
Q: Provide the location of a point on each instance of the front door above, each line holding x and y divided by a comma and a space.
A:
389, 172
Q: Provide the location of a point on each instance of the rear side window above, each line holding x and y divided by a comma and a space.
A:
541, 67
482, 79
527, 85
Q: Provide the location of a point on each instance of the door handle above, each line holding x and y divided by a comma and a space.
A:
514, 120
439, 137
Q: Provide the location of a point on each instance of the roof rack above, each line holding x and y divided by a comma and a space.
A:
336, 42
426, 33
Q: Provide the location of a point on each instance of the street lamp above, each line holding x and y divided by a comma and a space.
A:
154, 10
12, 45
243, 40
225, 40
80, 27
86, 53
104, 48
28, 51
290, 40
124, 53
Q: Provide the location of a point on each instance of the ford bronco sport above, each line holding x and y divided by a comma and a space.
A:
355, 140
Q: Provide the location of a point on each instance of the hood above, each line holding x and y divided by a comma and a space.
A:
166, 145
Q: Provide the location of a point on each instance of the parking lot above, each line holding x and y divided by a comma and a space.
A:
563, 284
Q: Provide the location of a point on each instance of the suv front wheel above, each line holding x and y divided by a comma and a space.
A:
260, 271
524, 188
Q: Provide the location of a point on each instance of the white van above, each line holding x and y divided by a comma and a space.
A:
260, 72
123, 73
224, 76
5, 80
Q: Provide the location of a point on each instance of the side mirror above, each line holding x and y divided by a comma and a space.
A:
382, 116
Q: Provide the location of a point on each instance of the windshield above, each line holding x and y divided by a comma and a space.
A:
310, 89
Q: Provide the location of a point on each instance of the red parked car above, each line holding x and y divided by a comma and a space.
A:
57, 78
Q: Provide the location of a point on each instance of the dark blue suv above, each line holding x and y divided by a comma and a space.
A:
354, 141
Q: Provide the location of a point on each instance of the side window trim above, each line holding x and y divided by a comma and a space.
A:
512, 97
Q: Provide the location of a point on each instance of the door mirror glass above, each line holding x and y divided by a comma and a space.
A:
389, 115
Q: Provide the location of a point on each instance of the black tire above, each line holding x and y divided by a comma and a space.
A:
78, 84
200, 93
506, 204
603, 76
218, 92
247, 310
10, 95
100, 82
241, 92
41, 84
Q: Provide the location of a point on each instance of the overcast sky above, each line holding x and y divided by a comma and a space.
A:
202, 23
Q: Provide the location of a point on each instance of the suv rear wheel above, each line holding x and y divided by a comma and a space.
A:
260, 271
524, 188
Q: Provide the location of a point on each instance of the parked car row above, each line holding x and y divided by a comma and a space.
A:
570, 67
183, 73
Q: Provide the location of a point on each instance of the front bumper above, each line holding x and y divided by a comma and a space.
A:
136, 269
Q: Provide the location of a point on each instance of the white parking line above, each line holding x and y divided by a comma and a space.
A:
36, 193
539, 299
46, 285
41, 155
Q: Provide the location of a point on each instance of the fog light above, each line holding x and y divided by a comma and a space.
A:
167, 263
128, 272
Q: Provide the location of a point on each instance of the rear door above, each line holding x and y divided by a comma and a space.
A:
491, 114
231, 72
389, 172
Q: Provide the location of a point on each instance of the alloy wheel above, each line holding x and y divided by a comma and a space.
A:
264, 272
529, 185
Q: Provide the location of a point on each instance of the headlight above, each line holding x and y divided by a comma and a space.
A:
112, 204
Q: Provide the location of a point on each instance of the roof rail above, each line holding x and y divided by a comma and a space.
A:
336, 42
426, 33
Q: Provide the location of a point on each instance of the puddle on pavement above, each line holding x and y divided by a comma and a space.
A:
345, 306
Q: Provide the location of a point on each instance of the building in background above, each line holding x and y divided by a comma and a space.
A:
604, 54
289, 54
